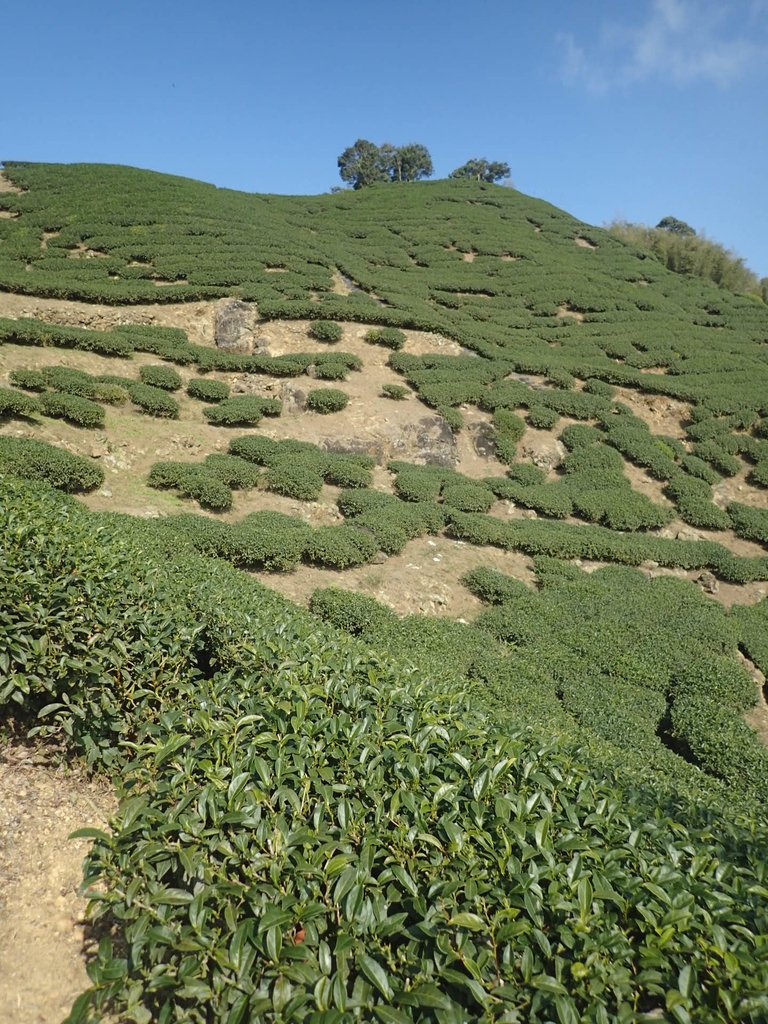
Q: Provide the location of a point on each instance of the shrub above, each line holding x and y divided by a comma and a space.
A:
69, 381
509, 428
325, 330
699, 468
234, 472
268, 540
331, 371
396, 391
713, 453
15, 404
353, 613
593, 386
206, 390
79, 411
112, 394
389, 337
541, 417
30, 380
163, 377
298, 479
153, 401
192, 481
693, 498
579, 435
340, 547
750, 523
347, 471
326, 400
494, 587
243, 410
468, 497
38, 460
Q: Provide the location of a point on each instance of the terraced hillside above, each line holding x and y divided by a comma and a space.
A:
523, 465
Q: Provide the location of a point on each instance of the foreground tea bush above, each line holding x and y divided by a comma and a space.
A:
310, 830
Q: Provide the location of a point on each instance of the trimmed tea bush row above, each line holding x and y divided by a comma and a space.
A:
79, 411
38, 460
241, 411
16, 405
563, 540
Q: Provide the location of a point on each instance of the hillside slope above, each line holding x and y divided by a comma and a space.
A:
545, 799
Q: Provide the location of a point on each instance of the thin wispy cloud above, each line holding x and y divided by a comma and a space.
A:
678, 41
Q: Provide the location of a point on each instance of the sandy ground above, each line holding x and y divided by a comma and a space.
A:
43, 944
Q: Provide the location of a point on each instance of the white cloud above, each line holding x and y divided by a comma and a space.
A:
679, 41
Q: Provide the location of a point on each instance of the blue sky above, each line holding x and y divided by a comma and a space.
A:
607, 110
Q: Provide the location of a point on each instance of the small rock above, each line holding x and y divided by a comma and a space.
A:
379, 558
232, 325
529, 513
294, 399
708, 582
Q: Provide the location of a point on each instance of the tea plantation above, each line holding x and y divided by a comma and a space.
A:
551, 810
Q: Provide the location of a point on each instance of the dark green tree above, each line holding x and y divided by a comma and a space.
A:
676, 227
366, 164
482, 170
407, 163
362, 164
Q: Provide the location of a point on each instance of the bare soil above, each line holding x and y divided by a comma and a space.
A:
43, 945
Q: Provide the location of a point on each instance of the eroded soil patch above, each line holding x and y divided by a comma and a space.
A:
42, 941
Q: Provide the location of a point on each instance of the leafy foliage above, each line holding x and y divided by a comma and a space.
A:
325, 330
160, 377
308, 827
16, 405
480, 169
38, 460
207, 390
327, 400
242, 410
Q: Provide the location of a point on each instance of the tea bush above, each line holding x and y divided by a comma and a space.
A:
152, 401
268, 540
326, 400
30, 380
232, 471
542, 418
16, 405
70, 381
206, 390
325, 330
163, 377
243, 410
79, 411
389, 337
192, 481
340, 547
750, 523
299, 479
38, 460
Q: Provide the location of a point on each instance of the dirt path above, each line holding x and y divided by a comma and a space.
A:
42, 965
